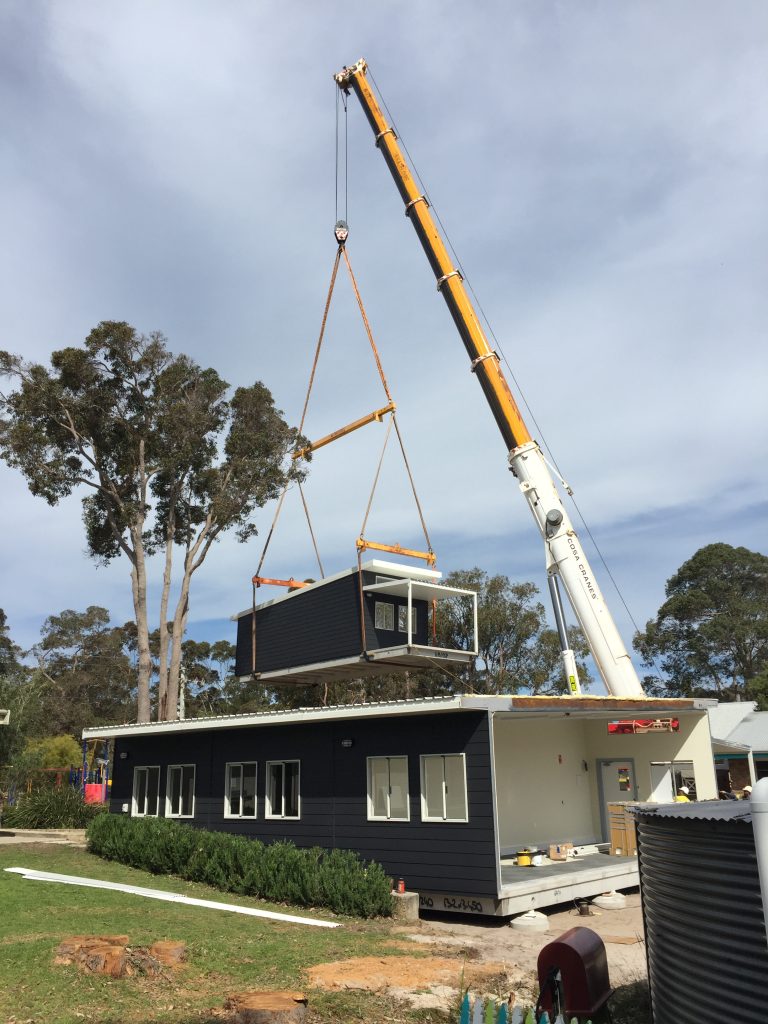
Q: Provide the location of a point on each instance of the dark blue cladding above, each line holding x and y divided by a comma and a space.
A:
452, 857
321, 624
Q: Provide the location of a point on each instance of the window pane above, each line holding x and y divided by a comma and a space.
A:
402, 618
153, 789
455, 795
379, 783
175, 787
275, 789
433, 786
188, 789
384, 616
140, 784
291, 806
398, 787
249, 790
235, 785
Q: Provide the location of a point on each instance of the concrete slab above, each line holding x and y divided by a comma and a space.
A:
561, 881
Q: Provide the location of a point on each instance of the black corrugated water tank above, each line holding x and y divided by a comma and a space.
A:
703, 911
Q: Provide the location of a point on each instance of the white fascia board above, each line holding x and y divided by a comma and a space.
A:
383, 709
422, 591
602, 707
413, 572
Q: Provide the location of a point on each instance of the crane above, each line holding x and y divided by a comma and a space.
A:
565, 556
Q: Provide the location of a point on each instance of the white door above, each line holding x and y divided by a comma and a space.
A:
617, 779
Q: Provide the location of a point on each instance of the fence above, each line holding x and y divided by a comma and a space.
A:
490, 1011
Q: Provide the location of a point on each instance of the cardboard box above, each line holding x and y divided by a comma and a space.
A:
560, 851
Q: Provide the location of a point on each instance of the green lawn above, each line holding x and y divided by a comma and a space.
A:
228, 952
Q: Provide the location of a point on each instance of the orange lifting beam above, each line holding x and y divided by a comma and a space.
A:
376, 416
396, 549
291, 583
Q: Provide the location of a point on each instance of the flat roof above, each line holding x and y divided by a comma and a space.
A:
508, 706
413, 572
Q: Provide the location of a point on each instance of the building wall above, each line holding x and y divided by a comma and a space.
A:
547, 773
450, 857
691, 743
320, 624
544, 794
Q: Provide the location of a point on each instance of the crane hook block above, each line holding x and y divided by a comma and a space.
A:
341, 231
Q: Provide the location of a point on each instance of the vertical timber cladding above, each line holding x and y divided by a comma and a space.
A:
321, 623
450, 857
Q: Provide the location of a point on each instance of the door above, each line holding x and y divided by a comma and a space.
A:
617, 783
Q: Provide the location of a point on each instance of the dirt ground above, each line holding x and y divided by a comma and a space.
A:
489, 956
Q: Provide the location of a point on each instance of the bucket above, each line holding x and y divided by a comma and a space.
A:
524, 858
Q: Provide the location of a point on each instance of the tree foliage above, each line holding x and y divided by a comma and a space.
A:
711, 633
90, 678
518, 651
165, 457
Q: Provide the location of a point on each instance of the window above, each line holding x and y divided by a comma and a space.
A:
180, 791
240, 790
402, 618
384, 615
388, 789
443, 787
146, 786
282, 789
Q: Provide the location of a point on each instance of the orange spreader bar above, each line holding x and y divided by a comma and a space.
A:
292, 583
395, 549
376, 416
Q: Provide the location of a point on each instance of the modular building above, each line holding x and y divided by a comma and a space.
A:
378, 617
442, 792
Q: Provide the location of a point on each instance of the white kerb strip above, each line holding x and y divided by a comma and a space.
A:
169, 897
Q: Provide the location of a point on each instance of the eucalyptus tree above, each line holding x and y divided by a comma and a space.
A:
163, 455
517, 650
710, 636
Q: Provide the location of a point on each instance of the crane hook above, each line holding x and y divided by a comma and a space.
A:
341, 232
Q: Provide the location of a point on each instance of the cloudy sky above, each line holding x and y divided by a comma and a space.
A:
600, 168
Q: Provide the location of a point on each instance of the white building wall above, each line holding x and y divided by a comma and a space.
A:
543, 792
547, 770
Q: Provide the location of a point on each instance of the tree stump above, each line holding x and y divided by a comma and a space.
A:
169, 952
99, 954
259, 1007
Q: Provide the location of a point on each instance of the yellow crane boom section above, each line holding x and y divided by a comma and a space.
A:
485, 362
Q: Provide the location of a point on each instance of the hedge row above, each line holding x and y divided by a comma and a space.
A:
279, 872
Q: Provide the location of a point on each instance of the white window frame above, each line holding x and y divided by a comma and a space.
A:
171, 767
228, 813
387, 612
369, 766
424, 815
135, 812
268, 812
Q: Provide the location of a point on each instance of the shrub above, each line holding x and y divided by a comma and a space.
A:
52, 808
279, 872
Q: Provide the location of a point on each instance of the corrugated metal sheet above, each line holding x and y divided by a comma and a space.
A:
701, 810
706, 942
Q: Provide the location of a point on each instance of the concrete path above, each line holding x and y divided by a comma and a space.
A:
66, 836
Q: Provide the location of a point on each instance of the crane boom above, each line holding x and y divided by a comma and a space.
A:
565, 556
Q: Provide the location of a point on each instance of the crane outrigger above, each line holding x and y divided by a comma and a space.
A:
565, 557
